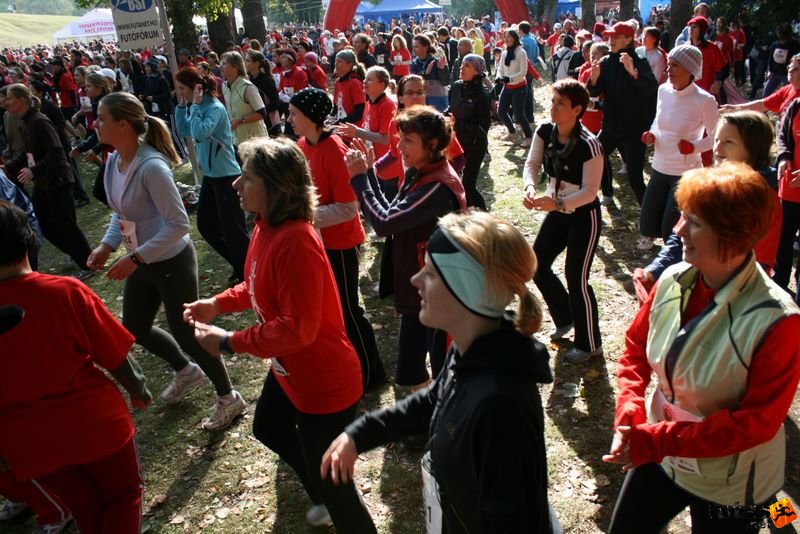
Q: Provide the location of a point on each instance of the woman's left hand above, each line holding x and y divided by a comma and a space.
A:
544, 203
121, 269
620, 452
209, 337
25, 175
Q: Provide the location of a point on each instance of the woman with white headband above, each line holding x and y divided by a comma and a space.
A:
485, 466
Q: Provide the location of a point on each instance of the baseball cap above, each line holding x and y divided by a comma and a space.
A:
620, 28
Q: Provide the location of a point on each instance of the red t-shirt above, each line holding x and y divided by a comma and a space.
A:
725, 43
348, 91
332, 180
291, 288
785, 191
401, 70
294, 78
318, 78
56, 407
393, 167
378, 116
713, 62
592, 119
67, 89
739, 40
778, 101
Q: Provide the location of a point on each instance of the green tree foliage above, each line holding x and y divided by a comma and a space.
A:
476, 8
764, 14
48, 7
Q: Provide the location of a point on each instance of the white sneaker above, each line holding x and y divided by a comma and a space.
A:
184, 381
11, 509
54, 528
318, 516
527, 142
645, 243
225, 412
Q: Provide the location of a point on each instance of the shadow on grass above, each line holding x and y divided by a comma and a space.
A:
586, 421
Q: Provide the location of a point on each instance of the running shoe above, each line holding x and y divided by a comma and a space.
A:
318, 516
184, 381
561, 331
11, 509
576, 355
645, 243
55, 528
225, 412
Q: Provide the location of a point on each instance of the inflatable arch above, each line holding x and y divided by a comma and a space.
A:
340, 12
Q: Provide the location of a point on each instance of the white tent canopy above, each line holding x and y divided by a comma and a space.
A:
96, 24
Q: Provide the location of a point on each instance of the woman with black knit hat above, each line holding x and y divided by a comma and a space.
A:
336, 219
470, 108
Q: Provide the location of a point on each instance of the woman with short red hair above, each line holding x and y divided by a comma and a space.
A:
721, 338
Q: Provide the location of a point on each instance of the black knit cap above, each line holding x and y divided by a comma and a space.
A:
313, 103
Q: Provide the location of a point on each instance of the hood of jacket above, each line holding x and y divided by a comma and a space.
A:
506, 351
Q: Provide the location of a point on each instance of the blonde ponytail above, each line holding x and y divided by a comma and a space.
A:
157, 136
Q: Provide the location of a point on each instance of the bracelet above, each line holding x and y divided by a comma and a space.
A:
135, 259
224, 346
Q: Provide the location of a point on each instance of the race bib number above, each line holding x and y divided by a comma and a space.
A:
31, 161
86, 103
663, 410
277, 78
780, 55
565, 189
398, 59
128, 231
156, 109
289, 91
380, 59
430, 496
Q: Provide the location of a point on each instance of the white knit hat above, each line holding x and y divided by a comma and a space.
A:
690, 58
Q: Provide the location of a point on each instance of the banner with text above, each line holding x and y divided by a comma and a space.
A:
137, 24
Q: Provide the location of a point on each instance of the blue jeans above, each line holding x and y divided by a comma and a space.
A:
775, 82
516, 99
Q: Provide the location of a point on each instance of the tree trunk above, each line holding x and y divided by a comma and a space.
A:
253, 19
680, 13
220, 31
588, 16
626, 9
184, 33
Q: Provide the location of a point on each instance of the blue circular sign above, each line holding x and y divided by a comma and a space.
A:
132, 6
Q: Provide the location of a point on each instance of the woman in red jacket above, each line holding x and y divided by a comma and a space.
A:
336, 218
314, 384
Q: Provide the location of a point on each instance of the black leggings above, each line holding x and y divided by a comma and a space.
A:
55, 209
417, 341
173, 282
632, 151
344, 264
300, 439
579, 233
474, 159
659, 210
649, 499
220, 220
790, 224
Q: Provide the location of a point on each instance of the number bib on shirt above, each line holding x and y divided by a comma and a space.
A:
86, 103
663, 410
565, 190
129, 239
430, 496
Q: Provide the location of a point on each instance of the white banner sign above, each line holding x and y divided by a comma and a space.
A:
137, 24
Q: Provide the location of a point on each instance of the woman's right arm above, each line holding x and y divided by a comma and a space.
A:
633, 371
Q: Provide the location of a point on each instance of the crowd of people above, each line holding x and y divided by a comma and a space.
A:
308, 138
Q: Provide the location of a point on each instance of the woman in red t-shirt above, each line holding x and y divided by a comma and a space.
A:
348, 91
337, 220
51, 385
312, 390
400, 58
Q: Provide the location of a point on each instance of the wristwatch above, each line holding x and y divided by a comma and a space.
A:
135, 259
224, 346
559, 204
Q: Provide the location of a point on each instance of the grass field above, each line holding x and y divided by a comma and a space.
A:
26, 30
227, 482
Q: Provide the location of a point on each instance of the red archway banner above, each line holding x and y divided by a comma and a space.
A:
339, 15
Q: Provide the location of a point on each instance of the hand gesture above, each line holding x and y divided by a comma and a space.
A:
627, 62
209, 337
98, 257
620, 449
339, 459
203, 311
528, 197
359, 158
121, 269
346, 129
